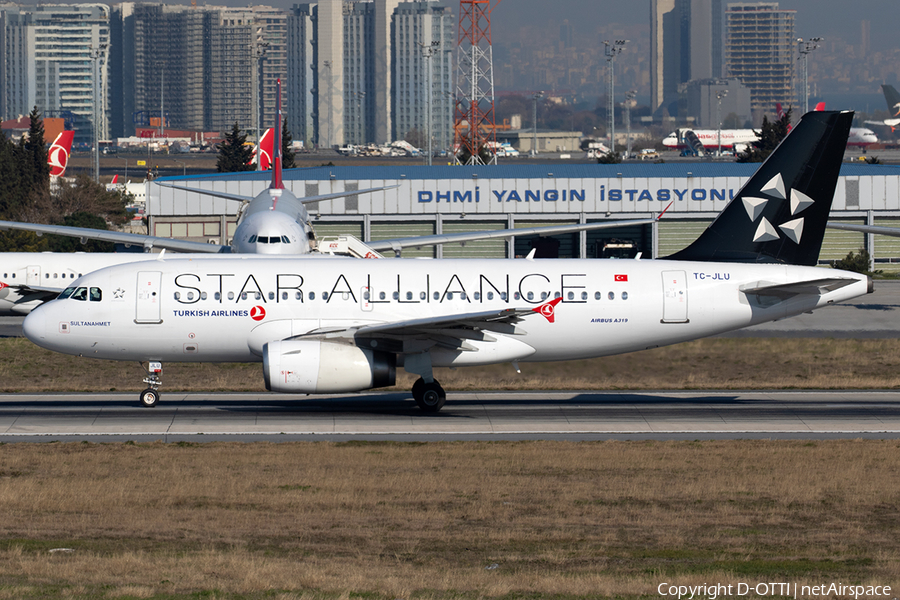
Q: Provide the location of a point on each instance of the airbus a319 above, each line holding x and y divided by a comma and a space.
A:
334, 325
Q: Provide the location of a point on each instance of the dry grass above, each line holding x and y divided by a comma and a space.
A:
381, 520
719, 363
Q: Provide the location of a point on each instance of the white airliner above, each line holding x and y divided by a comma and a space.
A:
892, 97
275, 222
334, 325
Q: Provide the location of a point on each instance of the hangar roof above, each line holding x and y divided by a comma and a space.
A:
527, 171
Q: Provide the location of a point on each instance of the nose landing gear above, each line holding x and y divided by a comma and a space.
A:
150, 396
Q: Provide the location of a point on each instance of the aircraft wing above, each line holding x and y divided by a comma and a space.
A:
815, 287
304, 200
866, 228
466, 236
118, 237
448, 331
885, 123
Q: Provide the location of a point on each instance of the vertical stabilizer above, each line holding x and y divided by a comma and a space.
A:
892, 97
276, 142
58, 155
779, 215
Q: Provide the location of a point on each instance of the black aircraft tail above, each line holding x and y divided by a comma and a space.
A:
892, 97
779, 215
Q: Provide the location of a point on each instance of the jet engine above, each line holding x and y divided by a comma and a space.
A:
314, 367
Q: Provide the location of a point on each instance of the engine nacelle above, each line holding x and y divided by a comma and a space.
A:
314, 367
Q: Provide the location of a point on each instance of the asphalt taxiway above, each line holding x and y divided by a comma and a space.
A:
467, 416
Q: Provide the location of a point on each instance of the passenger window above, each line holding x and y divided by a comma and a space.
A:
258, 295
217, 296
517, 296
531, 295
423, 296
80, 294
477, 295
381, 295
271, 295
324, 295
624, 295
395, 295
284, 295
462, 295
190, 295
65, 293
46, 275
597, 295
178, 295
243, 295
437, 295
409, 295
299, 296
450, 296
490, 295
231, 295
365, 295
612, 295
56, 276
203, 295
503, 296
570, 295
584, 295
312, 295
96, 294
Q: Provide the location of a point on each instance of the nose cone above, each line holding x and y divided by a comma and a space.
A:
35, 326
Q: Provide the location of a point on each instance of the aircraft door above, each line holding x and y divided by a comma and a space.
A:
33, 275
148, 297
675, 299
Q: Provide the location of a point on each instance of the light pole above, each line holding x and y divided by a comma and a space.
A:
96, 53
428, 51
259, 49
612, 50
719, 95
805, 48
534, 101
183, 166
126, 168
629, 96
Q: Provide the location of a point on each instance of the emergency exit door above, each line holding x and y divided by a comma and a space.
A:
148, 297
675, 299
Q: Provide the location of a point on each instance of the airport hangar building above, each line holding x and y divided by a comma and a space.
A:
447, 199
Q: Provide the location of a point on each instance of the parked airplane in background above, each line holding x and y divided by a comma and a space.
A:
334, 325
275, 222
892, 97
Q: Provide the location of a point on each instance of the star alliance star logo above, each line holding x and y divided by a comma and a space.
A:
119, 294
774, 189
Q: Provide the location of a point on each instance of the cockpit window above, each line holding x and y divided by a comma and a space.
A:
96, 294
269, 239
80, 294
285, 240
252, 239
66, 293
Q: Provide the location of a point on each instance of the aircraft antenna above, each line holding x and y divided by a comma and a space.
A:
474, 123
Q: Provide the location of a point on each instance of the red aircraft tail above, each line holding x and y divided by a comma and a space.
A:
58, 155
264, 151
276, 142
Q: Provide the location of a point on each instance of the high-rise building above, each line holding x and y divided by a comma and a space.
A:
421, 51
685, 44
50, 54
300, 74
759, 50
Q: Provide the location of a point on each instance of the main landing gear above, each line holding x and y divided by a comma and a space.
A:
429, 396
150, 396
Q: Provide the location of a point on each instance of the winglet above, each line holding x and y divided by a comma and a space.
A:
276, 142
548, 309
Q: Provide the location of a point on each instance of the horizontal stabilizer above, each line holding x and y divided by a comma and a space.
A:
815, 287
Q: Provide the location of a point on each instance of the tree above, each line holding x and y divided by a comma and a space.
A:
858, 263
35, 170
234, 154
287, 151
59, 243
609, 158
12, 196
768, 138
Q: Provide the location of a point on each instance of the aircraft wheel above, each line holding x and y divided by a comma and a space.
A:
417, 388
432, 397
149, 398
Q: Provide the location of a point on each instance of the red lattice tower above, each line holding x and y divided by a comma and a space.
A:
474, 124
